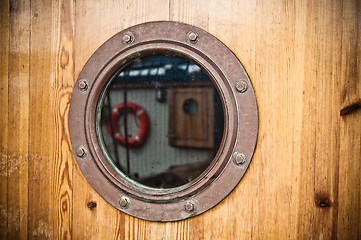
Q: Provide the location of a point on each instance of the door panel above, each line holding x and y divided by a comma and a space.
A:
303, 58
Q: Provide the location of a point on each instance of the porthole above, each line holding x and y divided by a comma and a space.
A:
163, 121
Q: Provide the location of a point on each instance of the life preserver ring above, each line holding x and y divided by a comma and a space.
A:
142, 116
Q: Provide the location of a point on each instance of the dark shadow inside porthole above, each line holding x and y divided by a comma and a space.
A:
160, 120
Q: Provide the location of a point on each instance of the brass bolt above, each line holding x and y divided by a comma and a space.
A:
83, 85
124, 202
241, 86
128, 38
239, 158
190, 206
193, 37
80, 151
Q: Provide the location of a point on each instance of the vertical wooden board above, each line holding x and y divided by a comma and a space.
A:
135, 229
214, 223
51, 81
279, 62
255, 32
102, 219
18, 119
349, 178
63, 88
320, 129
194, 13
271, 180
349, 205
95, 23
154, 230
42, 123
4, 67
191, 12
179, 230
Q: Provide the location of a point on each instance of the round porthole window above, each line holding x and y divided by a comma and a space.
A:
163, 121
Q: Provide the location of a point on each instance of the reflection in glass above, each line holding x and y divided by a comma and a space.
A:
160, 120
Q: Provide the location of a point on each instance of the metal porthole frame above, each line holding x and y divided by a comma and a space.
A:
240, 121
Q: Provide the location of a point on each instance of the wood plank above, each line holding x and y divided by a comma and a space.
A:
4, 95
349, 205
229, 219
179, 230
42, 123
104, 215
321, 132
51, 81
278, 57
18, 119
107, 18
198, 14
195, 13
349, 178
63, 87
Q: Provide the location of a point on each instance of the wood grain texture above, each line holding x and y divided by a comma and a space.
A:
303, 58
4, 112
51, 82
349, 195
64, 86
18, 120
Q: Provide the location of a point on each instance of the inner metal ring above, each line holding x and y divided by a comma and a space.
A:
240, 133
124, 182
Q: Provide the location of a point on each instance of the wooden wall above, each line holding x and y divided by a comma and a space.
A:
304, 60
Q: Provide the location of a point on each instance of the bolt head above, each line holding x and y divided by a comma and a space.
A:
239, 158
241, 86
80, 151
190, 206
193, 37
124, 202
83, 85
128, 38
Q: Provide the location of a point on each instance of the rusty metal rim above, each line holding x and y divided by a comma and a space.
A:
128, 185
241, 120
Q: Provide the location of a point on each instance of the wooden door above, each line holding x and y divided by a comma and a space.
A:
304, 60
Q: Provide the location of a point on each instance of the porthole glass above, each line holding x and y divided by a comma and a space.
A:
160, 144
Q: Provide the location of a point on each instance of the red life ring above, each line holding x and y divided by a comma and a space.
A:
142, 116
